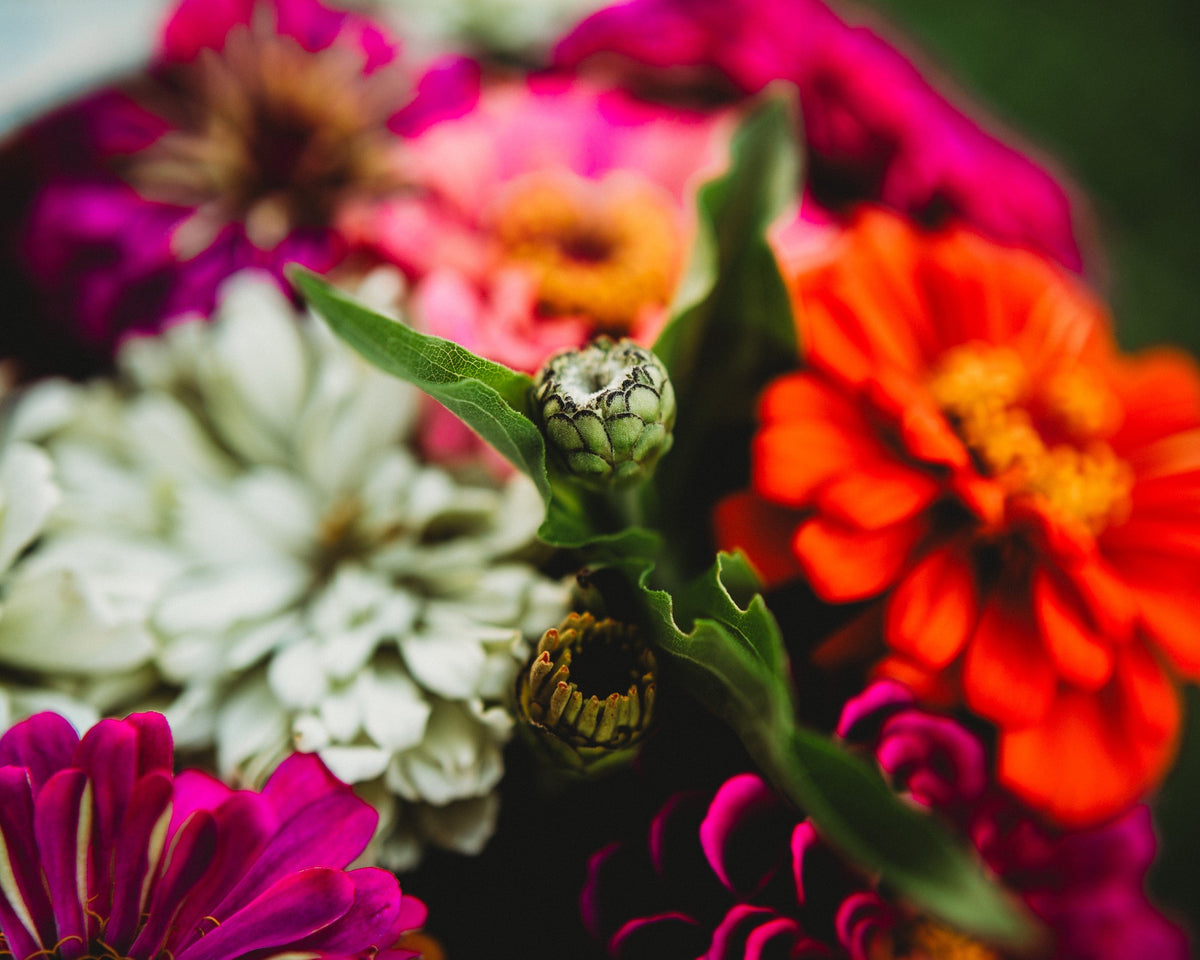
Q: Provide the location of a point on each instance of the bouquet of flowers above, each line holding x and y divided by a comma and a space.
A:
669, 475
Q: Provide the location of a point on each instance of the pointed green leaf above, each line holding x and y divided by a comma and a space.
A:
490, 398
731, 326
734, 659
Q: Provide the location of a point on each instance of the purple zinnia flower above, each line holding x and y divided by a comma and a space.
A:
738, 876
875, 128
258, 121
106, 854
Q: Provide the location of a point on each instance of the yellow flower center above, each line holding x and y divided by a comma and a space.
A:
269, 134
1043, 439
603, 249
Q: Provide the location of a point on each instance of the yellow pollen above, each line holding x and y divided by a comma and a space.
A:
927, 939
975, 378
1092, 487
987, 395
606, 250
1081, 403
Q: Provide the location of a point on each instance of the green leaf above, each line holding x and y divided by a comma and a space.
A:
731, 326
490, 398
733, 658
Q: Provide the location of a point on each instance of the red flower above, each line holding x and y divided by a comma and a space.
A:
969, 447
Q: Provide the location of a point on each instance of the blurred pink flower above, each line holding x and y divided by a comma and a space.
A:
257, 121
876, 129
107, 854
553, 211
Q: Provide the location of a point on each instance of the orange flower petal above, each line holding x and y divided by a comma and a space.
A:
1081, 657
1167, 594
1106, 596
843, 563
761, 530
1007, 676
1067, 764
791, 460
932, 687
1151, 705
1092, 755
931, 613
1160, 391
875, 495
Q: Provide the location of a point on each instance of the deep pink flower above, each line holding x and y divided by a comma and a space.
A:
107, 854
876, 129
257, 122
734, 875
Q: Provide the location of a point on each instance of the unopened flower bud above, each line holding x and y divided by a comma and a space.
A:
588, 692
606, 411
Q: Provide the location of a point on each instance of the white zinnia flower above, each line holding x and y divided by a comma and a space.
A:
67, 641
323, 587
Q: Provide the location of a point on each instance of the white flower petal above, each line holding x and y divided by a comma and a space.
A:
164, 436
450, 665
257, 374
218, 598
395, 711
309, 734
27, 495
251, 725
296, 677
355, 764
53, 622
341, 712
464, 826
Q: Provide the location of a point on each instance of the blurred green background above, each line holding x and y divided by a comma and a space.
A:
1112, 92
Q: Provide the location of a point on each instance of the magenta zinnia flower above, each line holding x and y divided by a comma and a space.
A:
738, 876
106, 854
257, 122
876, 129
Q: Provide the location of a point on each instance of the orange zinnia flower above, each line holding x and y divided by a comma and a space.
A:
968, 446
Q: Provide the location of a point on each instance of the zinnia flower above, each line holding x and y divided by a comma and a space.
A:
106, 853
552, 211
968, 447
324, 588
257, 122
735, 875
88, 647
874, 127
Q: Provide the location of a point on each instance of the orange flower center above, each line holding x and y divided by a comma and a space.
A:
926, 939
604, 249
269, 134
1040, 439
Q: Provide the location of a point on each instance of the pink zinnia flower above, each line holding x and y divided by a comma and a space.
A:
555, 210
737, 876
106, 854
876, 129
257, 122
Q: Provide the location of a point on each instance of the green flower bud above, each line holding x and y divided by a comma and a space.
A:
588, 691
606, 411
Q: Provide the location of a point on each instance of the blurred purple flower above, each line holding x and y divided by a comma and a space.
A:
737, 876
876, 129
258, 121
107, 854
